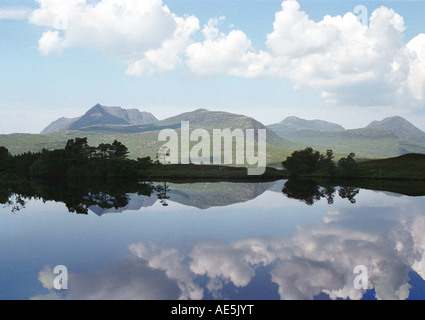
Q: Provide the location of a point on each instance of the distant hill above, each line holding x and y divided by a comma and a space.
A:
387, 138
61, 124
203, 118
105, 124
139, 132
101, 115
401, 128
291, 124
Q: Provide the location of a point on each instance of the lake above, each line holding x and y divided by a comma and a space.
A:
211, 240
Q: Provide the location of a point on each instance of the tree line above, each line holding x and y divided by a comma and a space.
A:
312, 162
77, 160
110, 160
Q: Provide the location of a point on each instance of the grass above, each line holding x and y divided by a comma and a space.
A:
405, 167
142, 144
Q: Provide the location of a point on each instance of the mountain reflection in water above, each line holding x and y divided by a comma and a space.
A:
119, 196
273, 240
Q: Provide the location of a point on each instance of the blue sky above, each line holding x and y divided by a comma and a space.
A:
268, 59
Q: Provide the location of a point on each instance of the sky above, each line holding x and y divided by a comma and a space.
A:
349, 62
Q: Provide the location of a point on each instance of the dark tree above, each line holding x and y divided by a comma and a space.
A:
307, 191
348, 165
4, 158
77, 151
104, 149
327, 163
302, 162
119, 151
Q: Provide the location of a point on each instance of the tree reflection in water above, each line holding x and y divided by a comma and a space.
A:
162, 193
78, 196
310, 191
14, 201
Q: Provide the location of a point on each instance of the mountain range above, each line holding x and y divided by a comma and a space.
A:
391, 136
139, 132
101, 115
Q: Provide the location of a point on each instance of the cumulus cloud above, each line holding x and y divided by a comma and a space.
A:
126, 280
230, 53
217, 260
140, 33
49, 42
168, 56
47, 277
170, 261
320, 258
416, 79
348, 62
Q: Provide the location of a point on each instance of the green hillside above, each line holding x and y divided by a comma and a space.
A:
409, 166
142, 140
388, 138
365, 143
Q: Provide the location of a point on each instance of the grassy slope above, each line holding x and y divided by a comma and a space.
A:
140, 144
365, 143
142, 141
410, 166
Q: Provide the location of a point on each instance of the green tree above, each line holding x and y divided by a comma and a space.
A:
104, 149
77, 151
50, 164
119, 151
4, 158
302, 161
145, 163
21, 164
327, 163
347, 166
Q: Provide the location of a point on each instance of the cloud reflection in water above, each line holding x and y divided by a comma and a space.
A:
320, 258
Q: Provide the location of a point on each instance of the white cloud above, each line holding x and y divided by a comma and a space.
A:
170, 261
46, 277
348, 62
168, 56
230, 53
49, 42
136, 32
216, 260
416, 80
295, 34
129, 279
384, 234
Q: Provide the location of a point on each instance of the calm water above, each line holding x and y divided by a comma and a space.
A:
276, 240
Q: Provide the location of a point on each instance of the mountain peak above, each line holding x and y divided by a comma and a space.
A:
296, 123
201, 110
401, 128
102, 115
291, 119
395, 120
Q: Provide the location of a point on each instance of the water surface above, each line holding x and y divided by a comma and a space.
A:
211, 240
